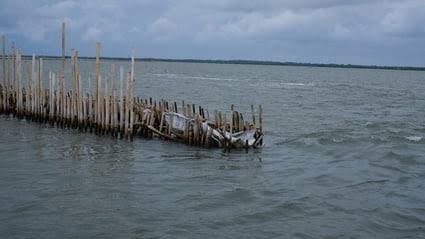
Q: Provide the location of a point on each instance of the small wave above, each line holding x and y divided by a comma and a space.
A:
298, 84
414, 138
174, 76
382, 181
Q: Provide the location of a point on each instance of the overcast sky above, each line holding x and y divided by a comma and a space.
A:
382, 32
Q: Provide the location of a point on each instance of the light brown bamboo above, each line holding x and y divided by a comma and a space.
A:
4, 102
121, 101
107, 107
40, 87
97, 102
112, 100
62, 76
133, 55
127, 106
232, 119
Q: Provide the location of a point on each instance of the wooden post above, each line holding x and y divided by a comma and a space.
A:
133, 53
74, 88
40, 88
106, 98
97, 102
224, 131
57, 101
127, 105
232, 119
113, 103
3, 58
52, 95
19, 86
62, 76
89, 106
241, 122
33, 88
121, 102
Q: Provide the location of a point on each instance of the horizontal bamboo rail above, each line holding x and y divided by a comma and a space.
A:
112, 109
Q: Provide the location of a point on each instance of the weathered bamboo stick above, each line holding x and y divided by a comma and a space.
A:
62, 74
133, 55
127, 105
40, 87
112, 100
3, 58
121, 103
232, 119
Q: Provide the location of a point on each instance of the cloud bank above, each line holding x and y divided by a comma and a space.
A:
382, 32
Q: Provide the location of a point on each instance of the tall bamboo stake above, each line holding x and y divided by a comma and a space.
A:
133, 53
127, 106
121, 99
62, 76
40, 86
3, 58
97, 108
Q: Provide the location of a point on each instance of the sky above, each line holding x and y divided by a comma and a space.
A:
368, 32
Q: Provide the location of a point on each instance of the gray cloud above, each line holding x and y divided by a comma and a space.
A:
360, 32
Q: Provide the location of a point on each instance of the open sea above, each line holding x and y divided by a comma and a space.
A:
344, 157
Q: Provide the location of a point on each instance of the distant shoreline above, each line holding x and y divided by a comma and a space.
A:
247, 62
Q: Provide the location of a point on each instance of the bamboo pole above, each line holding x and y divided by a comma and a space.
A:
89, 107
33, 89
18, 82
62, 76
3, 58
121, 118
232, 119
127, 105
97, 108
133, 55
74, 88
99, 105
8, 59
40, 87
106, 98
80, 108
57, 100
51, 87
113, 104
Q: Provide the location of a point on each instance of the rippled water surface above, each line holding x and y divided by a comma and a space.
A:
344, 157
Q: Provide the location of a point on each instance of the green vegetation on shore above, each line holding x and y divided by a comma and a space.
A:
253, 62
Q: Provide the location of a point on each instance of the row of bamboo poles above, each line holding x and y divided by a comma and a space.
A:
112, 108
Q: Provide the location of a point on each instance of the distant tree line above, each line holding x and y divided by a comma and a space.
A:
248, 62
